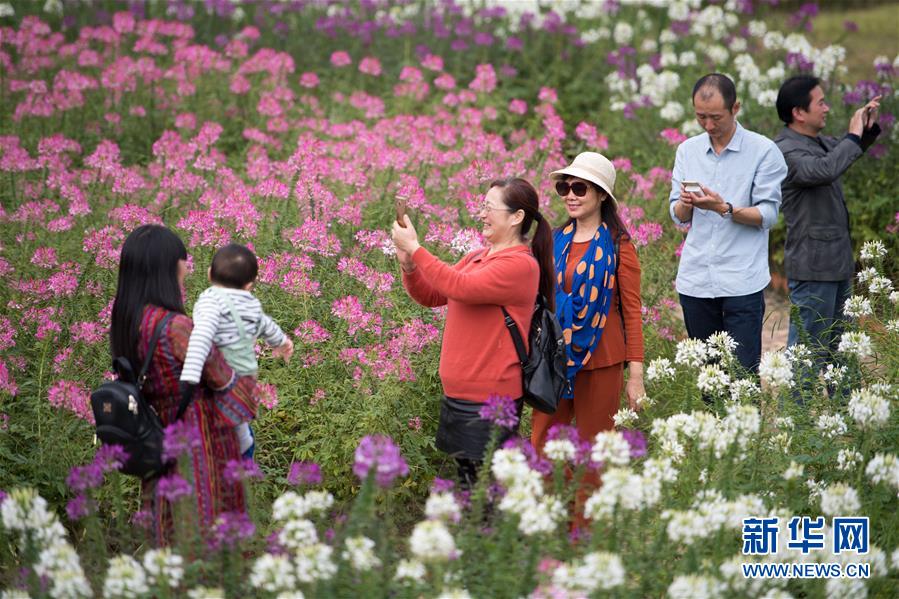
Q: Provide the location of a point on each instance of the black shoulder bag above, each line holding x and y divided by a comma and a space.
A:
123, 417
545, 370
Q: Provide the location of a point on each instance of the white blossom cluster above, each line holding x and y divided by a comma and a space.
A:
359, 551
622, 488
839, 499
831, 425
597, 570
869, 408
848, 459
776, 370
884, 468
443, 506
659, 369
736, 430
537, 511
856, 343
25, 512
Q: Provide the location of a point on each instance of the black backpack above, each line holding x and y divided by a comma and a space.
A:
123, 417
545, 370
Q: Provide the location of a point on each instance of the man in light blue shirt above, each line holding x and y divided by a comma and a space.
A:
724, 263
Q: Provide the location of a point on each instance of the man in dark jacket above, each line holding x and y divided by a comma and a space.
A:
818, 255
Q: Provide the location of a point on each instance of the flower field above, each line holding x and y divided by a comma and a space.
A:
291, 127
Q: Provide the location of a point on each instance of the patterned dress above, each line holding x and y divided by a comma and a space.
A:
221, 401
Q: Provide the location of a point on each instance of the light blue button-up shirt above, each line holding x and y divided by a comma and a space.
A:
722, 258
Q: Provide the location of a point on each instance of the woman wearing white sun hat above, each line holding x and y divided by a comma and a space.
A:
598, 303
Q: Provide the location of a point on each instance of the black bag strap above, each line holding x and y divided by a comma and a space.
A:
142, 377
157, 332
516, 337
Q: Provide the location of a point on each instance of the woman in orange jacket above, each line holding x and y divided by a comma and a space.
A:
478, 358
598, 304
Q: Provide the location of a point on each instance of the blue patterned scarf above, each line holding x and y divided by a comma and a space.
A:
582, 313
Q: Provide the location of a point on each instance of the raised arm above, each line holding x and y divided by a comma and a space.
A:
420, 290
270, 332
502, 280
809, 170
681, 213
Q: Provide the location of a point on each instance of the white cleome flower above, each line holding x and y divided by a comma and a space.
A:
848, 459
659, 369
359, 551
794, 471
560, 450
775, 369
596, 570
298, 533
625, 418
857, 306
742, 390
313, 562
712, 379
866, 274
443, 506
694, 586
691, 352
623, 33
831, 425
884, 468
432, 542
125, 578
541, 517
164, 567
880, 286
873, 250
672, 111
857, 344
839, 499
508, 465
410, 570
868, 408
611, 448
273, 573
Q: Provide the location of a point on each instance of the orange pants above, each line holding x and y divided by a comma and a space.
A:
597, 397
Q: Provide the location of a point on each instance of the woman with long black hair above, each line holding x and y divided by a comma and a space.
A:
598, 304
478, 358
152, 269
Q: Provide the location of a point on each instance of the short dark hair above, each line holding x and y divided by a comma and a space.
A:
722, 83
234, 266
796, 92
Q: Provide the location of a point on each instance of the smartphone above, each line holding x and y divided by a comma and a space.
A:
692, 186
400, 211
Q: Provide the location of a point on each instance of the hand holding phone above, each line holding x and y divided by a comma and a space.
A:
401, 212
692, 186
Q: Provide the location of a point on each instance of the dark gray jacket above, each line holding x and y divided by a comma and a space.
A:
818, 247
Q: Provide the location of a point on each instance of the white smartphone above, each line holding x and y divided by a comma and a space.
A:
692, 186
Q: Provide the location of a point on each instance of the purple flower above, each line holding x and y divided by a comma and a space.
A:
110, 457
501, 411
442, 485
82, 478
241, 470
304, 473
273, 544
78, 507
535, 461
173, 487
180, 438
142, 519
850, 26
2, 495
230, 529
568, 432
637, 440
379, 454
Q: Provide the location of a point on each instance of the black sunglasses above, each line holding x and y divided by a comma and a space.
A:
578, 187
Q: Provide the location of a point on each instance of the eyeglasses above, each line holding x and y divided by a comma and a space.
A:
485, 207
578, 187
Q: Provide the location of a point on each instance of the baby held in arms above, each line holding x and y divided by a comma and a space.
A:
229, 315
